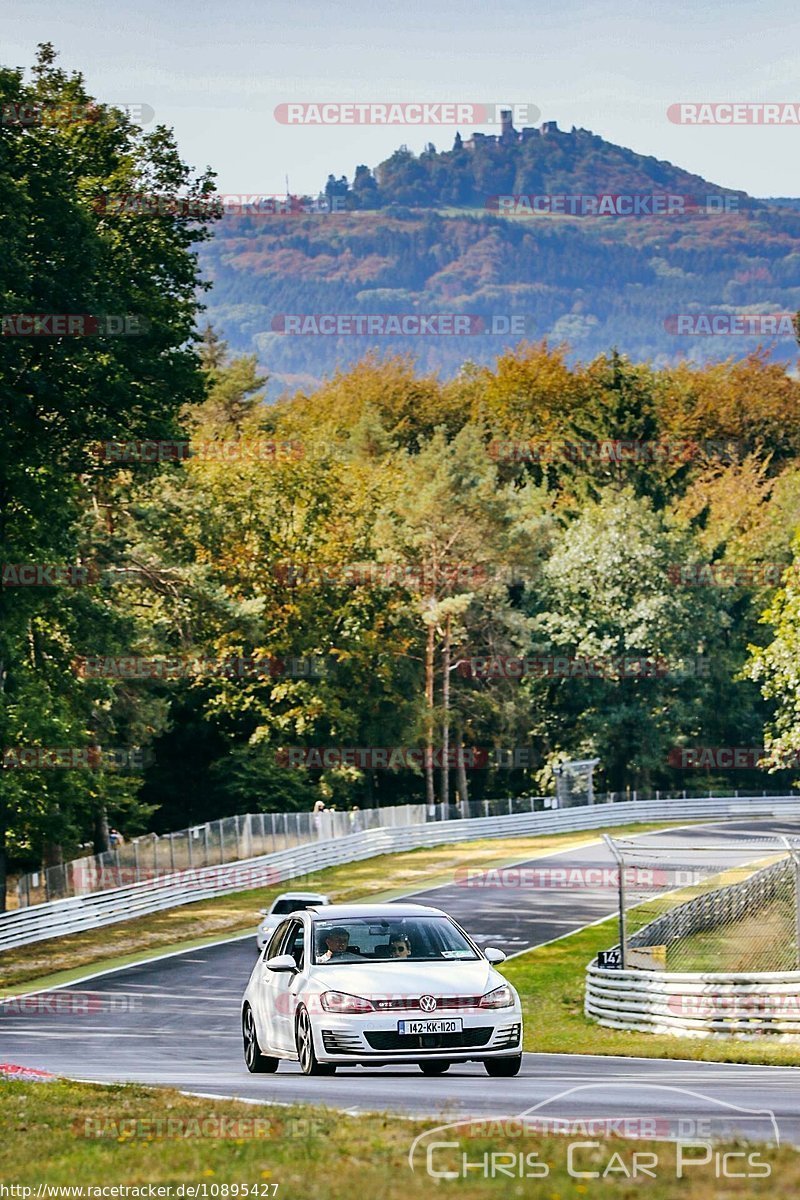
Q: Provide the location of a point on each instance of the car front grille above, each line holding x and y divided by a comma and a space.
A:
389, 1039
385, 1003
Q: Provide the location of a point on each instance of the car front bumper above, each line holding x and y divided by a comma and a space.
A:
486, 1033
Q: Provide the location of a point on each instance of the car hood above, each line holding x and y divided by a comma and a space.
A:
408, 979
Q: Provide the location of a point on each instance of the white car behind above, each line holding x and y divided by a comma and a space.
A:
282, 906
373, 984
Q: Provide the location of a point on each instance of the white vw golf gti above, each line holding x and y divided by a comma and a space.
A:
372, 984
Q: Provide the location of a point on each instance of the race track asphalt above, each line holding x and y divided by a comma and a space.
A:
175, 1020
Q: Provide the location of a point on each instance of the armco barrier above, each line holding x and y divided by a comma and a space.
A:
61, 917
696, 1004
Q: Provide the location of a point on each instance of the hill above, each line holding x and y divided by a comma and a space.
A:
427, 234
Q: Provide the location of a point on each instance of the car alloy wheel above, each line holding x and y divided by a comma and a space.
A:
256, 1062
304, 1037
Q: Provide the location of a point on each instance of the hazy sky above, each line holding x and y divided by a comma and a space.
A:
216, 70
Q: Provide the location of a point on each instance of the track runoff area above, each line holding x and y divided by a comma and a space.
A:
175, 1020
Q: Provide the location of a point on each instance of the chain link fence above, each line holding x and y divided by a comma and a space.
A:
728, 905
209, 845
231, 839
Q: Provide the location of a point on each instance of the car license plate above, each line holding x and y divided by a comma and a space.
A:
436, 1025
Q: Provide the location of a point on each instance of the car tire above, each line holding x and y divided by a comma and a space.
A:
304, 1041
256, 1062
503, 1068
436, 1066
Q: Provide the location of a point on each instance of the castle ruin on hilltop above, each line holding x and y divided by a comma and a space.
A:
509, 135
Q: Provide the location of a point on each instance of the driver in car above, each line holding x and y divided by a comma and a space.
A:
338, 942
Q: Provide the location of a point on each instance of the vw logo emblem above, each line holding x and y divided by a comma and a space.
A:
427, 1003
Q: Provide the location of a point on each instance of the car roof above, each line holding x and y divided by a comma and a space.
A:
337, 912
300, 896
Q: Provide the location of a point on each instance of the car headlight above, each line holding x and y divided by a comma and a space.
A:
341, 1002
501, 997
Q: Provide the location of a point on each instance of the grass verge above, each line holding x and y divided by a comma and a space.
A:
83, 1135
59, 960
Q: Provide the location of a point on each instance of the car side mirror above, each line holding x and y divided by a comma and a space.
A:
281, 962
263, 912
493, 955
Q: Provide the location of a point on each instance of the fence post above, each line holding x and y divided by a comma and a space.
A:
795, 857
623, 933
205, 844
221, 844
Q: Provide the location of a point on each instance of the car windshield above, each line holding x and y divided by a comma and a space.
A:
396, 939
281, 907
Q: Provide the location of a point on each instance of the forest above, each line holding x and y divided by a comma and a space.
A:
212, 604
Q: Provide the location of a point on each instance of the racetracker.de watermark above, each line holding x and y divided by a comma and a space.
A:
210, 1126
729, 758
217, 206
609, 204
75, 758
234, 877
412, 324
65, 575
721, 574
411, 112
730, 1006
57, 325
725, 112
87, 113
581, 667
613, 450
243, 449
596, 878
394, 758
779, 324
67, 1002
131, 666
386, 574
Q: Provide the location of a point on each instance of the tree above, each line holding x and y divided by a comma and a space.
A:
774, 667
455, 530
64, 251
608, 605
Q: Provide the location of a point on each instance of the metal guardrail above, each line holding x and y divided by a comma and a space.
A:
695, 1004
79, 913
